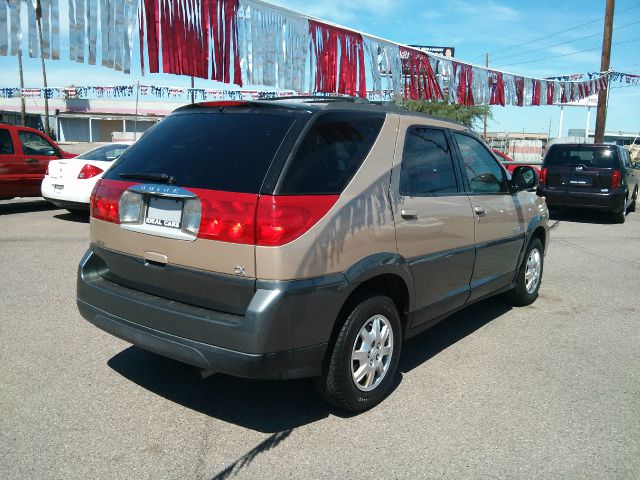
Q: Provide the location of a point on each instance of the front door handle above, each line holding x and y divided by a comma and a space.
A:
480, 211
33, 161
409, 214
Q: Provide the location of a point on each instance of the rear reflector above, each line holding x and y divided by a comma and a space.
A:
89, 171
616, 179
543, 176
282, 219
105, 198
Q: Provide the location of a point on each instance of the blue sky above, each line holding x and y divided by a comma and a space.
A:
472, 27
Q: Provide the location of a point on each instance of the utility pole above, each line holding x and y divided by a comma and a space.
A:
23, 119
486, 64
47, 130
193, 94
601, 115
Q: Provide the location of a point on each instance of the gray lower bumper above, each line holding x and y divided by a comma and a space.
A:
283, 334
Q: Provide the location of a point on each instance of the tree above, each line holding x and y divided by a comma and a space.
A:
468, 116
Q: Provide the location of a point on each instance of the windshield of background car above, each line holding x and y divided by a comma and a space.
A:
214, 150
593, 157
108, 153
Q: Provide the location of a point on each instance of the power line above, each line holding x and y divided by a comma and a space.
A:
566, 54
598, 34
529, 42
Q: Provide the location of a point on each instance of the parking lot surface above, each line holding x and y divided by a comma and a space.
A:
547, 391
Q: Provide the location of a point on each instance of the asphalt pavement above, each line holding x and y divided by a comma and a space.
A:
547, 391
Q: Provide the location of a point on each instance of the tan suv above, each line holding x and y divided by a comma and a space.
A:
283, 239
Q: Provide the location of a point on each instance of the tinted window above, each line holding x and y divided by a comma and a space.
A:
589, 156
6, 145
331, 153
483, 171
108, 153
34, 144
228, 151
427, 167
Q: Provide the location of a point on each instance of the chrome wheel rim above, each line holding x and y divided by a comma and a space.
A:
533, 270
372, 353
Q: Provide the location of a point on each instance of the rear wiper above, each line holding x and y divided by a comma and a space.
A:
154, 177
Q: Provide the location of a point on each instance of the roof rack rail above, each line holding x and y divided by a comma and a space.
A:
318, 98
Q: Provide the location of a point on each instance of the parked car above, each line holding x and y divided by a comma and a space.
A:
595, 176
25, 154
68, 183
282, 240
507, 161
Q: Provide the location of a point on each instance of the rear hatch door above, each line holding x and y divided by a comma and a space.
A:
198, 175
580, 167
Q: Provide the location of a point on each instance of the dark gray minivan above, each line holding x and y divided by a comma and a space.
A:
589, 176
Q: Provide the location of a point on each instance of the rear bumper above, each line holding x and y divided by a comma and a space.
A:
283, 334
73, 196
600, 201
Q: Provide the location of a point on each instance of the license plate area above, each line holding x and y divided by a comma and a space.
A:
581, 180
164, 212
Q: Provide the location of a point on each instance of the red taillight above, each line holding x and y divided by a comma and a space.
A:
543, 176
615, 179
227, 217
105, 197
89, 171
259, 220
282, 219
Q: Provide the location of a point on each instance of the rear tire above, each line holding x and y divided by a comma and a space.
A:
529, 276
632, 207
621, 215
364, 358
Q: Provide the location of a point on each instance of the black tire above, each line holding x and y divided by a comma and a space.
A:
519, 296
620, 216
336, 385
632, 207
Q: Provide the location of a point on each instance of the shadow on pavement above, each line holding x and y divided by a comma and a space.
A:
581, 215
77, 217
280, 406
13, 208
421, 348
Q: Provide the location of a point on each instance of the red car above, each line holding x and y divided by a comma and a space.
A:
505, 159
24, 157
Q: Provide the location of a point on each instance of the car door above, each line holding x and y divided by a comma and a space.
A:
630, 174
37, 151
433, 218
11, 165
499, 217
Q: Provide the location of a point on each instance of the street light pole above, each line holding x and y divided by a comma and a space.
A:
23, 115
44, 71
601, 115
486, 112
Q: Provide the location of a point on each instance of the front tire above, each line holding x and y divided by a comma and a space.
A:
364, 358
529, 276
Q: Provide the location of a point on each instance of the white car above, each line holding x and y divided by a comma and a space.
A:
68, 183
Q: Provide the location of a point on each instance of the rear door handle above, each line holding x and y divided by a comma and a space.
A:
409, 214
480, 211
32, 161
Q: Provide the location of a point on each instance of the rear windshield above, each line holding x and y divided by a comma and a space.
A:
331, 152
108, 153
228, 151
595, 157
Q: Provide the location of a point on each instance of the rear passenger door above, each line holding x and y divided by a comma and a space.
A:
11, 166
434, 220
499, 217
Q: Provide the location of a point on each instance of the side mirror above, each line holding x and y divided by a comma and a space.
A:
523, 178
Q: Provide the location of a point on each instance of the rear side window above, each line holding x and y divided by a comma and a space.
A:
427, 167
482, 169
108, 153
588, 156
227, 151
6, 145
330, 153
